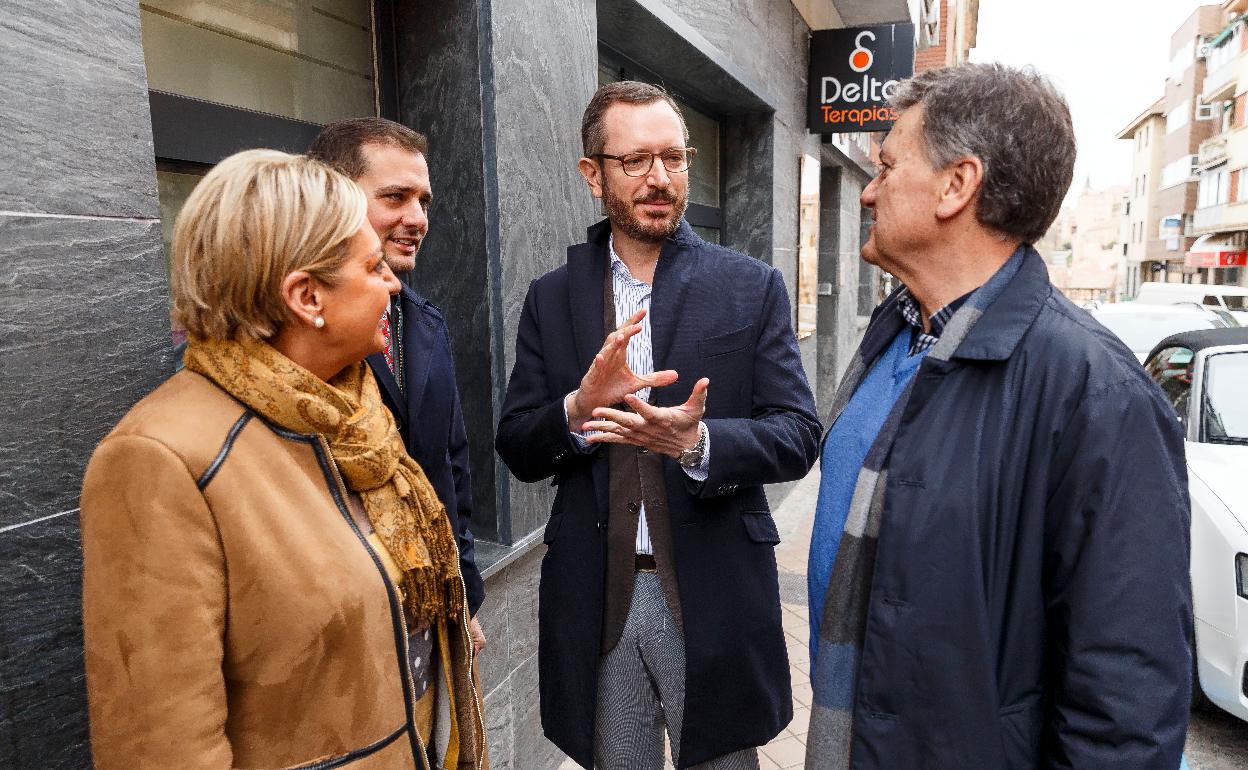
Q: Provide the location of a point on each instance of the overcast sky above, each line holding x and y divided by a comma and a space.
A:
1109, 57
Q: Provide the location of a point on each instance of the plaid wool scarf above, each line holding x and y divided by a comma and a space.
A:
845, 606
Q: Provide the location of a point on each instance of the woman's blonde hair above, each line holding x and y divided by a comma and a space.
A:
254, 219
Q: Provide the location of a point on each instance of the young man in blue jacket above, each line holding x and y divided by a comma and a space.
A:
999, 564
415, 371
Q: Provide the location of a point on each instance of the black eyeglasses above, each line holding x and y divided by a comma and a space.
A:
675, 160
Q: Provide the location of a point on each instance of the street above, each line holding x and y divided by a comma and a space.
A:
1217, 741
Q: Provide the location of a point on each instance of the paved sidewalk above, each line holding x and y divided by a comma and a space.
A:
794, 518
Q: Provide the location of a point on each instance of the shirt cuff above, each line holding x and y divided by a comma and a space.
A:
704, 468
578, 436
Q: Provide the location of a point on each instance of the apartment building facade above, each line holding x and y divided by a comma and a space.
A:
1141, 230
1220, 221
1189, 121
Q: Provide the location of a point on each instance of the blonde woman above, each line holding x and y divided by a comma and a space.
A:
269, 580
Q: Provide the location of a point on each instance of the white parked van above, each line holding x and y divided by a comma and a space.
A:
1233, 299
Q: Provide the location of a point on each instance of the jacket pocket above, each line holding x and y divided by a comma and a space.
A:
761, 527
552, 528
728, 342
1021, 725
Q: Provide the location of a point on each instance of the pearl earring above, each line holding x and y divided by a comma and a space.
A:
318, 322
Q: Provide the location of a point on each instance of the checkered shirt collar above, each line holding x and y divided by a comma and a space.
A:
921, 340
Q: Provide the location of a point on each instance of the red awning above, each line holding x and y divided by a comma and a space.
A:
1216, 251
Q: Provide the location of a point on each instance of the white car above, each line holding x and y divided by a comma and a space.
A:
1204, 374
1141, 326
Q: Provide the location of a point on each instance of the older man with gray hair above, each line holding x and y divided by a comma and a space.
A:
999, 566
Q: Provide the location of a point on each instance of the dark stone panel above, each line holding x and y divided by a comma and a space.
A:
43, 708
651, 33
84, 334
831, 309
73, 109
440, 95
749, 173
544, 61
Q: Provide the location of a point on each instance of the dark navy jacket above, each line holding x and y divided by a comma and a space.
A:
714, 313
431, 422
1031, 606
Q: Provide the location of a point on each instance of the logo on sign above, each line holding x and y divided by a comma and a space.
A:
861, 59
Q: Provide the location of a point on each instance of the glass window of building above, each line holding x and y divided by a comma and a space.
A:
808, 247
309, 60
227, 75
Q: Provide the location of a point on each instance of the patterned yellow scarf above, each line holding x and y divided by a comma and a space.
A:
348, 412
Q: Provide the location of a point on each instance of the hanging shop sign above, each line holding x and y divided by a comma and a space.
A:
853, 72
1216, 251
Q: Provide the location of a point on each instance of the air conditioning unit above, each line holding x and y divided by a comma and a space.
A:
1203, 51
1204, 111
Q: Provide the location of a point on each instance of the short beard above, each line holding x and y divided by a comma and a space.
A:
621, 214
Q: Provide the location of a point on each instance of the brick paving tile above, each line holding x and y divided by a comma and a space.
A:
786, 752
765, 763
802, 694
801, 721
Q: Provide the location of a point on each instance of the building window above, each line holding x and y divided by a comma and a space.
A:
1214, 188
807, 246
705, 212
309, 60
229, 75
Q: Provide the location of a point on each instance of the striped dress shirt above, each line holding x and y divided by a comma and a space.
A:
632, 295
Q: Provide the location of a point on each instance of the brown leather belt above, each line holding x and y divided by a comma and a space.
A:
645, 563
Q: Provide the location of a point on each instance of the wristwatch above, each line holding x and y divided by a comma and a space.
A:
692, 457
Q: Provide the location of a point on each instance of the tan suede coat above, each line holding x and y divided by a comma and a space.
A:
233, 615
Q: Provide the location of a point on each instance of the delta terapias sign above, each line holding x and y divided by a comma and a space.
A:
853, 72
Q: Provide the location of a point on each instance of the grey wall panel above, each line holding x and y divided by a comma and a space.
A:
83, 336
749, 188
73, 109
440, 94
545, 71
43, 709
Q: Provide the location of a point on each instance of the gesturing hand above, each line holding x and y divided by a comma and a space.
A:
668, 430
609, 378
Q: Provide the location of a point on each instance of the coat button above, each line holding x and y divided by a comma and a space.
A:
633, 507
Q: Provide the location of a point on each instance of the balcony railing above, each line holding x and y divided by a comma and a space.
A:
1220, 84
1208, 219
1212, 150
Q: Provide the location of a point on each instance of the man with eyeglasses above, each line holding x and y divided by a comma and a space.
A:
657, 380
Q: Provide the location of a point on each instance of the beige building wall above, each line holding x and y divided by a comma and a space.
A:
1096, 246
1140, 228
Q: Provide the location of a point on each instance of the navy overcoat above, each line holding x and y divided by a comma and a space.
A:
431, 422
1031, 606
714, 313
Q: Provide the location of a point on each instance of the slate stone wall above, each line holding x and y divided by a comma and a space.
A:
84, 332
